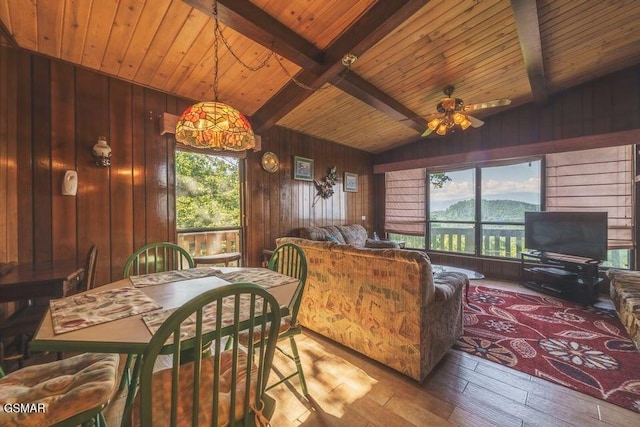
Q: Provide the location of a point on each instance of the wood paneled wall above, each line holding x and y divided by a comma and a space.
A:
278, 204
51, 117
8, 157
60, 111
604, 106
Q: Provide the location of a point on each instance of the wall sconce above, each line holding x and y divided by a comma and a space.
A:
102, 152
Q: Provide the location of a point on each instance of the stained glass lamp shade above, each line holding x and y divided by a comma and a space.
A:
215, 125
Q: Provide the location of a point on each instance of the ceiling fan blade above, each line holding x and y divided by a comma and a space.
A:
476, 123
487, 104
427, 132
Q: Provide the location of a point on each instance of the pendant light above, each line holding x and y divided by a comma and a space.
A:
214, 124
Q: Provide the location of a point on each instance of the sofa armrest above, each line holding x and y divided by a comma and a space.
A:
447, 283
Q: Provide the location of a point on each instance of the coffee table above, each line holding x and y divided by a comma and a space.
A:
472, 275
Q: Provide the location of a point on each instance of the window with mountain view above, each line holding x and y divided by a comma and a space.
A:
475, 211
485, 219
452, 213
507, 192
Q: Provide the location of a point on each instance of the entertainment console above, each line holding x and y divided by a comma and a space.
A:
564, 276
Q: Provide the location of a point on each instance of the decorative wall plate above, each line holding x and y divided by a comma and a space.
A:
270, 162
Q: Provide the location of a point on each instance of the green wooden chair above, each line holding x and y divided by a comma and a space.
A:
153, 258
157, 258
68, 392
206, 383
289, 259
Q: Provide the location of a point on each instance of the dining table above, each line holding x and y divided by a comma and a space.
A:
129, 334
120, 317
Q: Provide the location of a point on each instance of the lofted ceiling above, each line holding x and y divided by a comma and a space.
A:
407, 50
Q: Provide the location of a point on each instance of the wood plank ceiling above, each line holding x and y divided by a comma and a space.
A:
408, 50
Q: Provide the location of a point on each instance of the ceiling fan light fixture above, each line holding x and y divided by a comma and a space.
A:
464, 124
433, 124
442, 129
451, 114
459, 118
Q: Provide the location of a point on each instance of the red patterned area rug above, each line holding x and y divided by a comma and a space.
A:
579, 347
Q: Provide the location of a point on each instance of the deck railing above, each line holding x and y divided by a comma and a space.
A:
210, 241
497, 242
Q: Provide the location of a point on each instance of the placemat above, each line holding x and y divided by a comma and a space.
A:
80, 311
260, 276
187, 330
172, 276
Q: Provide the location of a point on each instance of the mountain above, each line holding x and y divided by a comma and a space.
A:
492, 210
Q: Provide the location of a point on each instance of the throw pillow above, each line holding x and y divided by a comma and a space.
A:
381, 244
330, 238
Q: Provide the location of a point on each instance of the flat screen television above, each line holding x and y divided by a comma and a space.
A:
581, 234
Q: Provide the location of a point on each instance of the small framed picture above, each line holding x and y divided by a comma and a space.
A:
302, 168
350, 182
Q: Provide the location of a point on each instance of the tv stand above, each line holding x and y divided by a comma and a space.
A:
565, 276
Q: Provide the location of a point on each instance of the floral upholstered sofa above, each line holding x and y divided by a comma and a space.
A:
383, 303
625, 294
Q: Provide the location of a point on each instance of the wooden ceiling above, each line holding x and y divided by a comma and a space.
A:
407, 52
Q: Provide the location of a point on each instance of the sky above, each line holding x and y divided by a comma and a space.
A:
519, 182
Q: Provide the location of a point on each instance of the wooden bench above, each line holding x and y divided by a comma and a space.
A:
223, 258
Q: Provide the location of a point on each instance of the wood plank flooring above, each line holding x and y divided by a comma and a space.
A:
347, 389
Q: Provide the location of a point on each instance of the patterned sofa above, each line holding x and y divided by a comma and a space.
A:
352, 234
383, 303
625, 294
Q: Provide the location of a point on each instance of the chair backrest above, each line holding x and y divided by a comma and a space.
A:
289, 259
156, 258
90, 269
207, 384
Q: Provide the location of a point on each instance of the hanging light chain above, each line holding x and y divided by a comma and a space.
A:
216, 94
347, 60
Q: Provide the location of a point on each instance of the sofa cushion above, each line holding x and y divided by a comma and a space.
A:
354, 234
381, 244
322, 234
335, 235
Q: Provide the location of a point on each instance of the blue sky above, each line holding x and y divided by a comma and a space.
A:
513, 182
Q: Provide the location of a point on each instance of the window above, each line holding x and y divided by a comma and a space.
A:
600, 179
507, 192
405, 207
452, 213
480, 210
475, 211
208, 203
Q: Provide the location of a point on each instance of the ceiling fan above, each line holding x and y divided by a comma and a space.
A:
452, 113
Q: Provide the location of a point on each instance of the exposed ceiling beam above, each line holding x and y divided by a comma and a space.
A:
249, 20
366, 92
7, 36
526, 16
380, 20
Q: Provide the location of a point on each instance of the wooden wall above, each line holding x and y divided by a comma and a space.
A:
60, 112
278, 204
8, 167
51, 117
605, 107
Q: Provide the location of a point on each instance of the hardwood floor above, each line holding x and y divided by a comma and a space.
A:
347, 389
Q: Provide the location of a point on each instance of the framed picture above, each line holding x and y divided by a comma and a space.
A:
350, 182
302, 168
